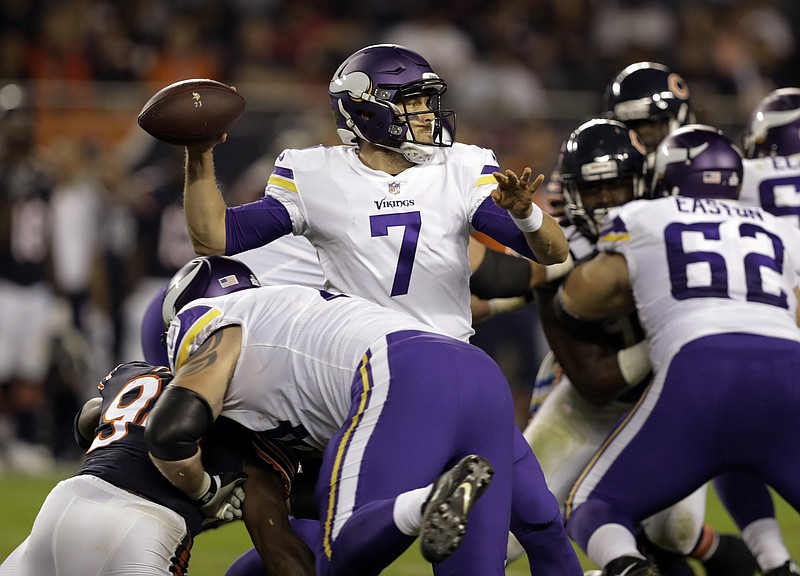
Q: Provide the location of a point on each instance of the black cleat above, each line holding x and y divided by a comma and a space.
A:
444, 514
731, 558
630, 566
788, 569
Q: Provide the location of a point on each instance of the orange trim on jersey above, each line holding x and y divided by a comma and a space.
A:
489, 242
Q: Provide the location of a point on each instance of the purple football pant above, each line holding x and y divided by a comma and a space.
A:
724, 402
420, 404
745, 496
536, 519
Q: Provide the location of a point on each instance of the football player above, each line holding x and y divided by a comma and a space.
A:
651, 99
390, 212
716, 291
325, 364
141, 523
771, 148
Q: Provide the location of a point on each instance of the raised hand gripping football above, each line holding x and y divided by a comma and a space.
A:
192, 112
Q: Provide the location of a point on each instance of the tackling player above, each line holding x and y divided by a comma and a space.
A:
139, 522
325, 365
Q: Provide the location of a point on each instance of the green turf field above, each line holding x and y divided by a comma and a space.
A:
20, 498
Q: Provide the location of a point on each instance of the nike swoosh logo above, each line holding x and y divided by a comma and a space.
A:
467, 488
628, 569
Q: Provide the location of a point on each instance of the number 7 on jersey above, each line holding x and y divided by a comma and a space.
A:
412, 222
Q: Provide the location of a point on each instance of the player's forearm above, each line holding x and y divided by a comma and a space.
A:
186, 475
203, 203
548, 243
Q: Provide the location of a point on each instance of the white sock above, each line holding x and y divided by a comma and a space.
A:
407, 512
763, 538
609, 542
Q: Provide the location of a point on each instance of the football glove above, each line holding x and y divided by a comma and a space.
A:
221, 500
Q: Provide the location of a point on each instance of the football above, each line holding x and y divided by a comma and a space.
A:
191, 111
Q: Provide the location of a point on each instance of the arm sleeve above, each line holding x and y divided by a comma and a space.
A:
496, 223
254, 224
500, 276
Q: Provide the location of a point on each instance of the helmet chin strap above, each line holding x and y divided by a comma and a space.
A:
414, 153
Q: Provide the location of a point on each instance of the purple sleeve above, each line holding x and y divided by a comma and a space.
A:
254, 224
152, 328
496, 223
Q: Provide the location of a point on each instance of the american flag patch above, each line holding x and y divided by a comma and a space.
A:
713, 177
394, 188
228, 281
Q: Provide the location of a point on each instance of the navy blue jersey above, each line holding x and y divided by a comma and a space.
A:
24, 223
119, 454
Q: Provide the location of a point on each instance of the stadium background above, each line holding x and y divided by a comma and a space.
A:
522, 74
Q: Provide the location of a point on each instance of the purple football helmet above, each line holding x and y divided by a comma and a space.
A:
697, 161
774, 126
599, 150
205, 277
368, 94
649, 91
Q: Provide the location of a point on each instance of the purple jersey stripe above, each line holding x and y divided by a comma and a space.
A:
284, 172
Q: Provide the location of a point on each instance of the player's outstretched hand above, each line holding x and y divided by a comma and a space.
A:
222, 501
515, 193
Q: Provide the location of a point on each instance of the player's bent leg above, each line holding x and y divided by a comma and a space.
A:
536, 520
678, 528
446, 511
139, 536
750, 504
248, 564
378, 469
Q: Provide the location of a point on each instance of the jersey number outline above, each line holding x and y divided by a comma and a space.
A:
379, 225
122, 415
679, 260
787, 189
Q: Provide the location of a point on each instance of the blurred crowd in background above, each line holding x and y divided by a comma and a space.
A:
90, 206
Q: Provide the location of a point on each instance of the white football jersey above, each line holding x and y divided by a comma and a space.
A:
773, 183
400, 241
701, 267
300, 352
286, 260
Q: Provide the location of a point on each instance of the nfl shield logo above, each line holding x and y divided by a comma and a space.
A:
394, 188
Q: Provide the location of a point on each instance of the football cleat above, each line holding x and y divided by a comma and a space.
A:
788, 569
444, 513
630, 566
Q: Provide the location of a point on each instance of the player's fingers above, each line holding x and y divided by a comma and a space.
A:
537, 182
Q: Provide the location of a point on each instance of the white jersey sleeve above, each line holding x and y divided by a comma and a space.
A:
699, 267
397, 240
300, 351
773, 183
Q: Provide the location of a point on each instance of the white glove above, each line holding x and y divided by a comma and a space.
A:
220, 497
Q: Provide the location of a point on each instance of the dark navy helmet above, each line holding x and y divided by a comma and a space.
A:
774, 126
599, 150
649, 92
697, 161
205, 277
368, 92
